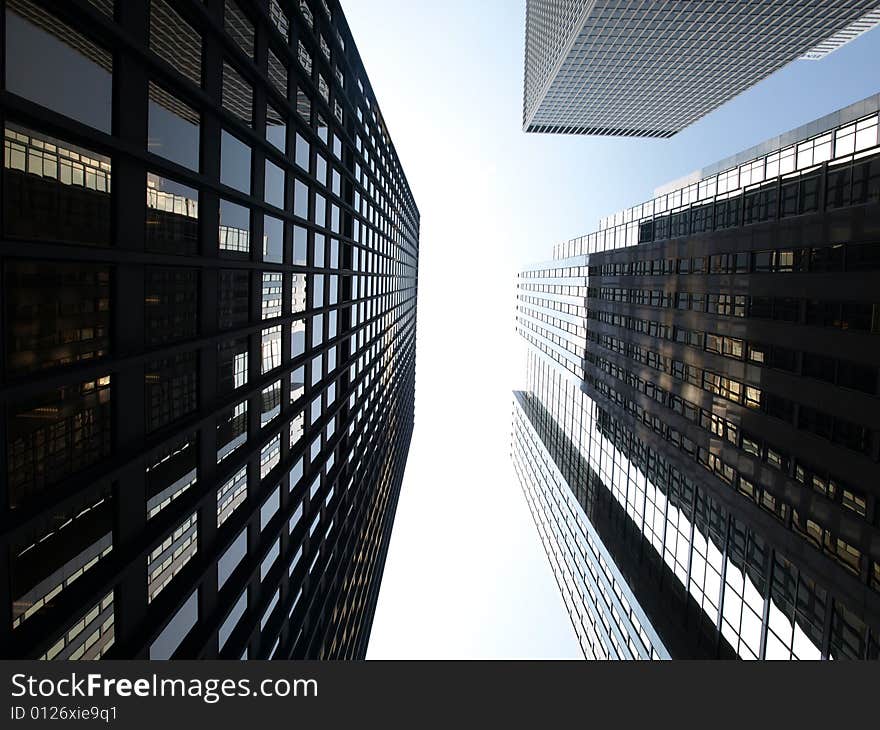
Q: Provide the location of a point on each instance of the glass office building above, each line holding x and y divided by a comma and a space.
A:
209, 268
649, 69
699, 435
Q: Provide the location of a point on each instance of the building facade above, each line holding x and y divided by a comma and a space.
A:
209, 256
631, 68
698, 439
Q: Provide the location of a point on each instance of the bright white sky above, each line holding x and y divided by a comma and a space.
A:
466, 575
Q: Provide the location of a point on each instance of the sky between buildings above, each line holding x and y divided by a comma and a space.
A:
466, 575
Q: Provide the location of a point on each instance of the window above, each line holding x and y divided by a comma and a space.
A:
276, 128
300, 199
176, 629
273, 240
171, 389
56, 314
174, 128
235, 162
234, 298
274, 189
54, 190
300, 245
56, 434
232, 365
168, 558
302, 152
270, 398
231, 558
278, 74
239, 28
232, 427
234, 228
271, 304
271, 349
172, 224
74, 76
175, 41
304, 105
171, 304
231, 495
171, 471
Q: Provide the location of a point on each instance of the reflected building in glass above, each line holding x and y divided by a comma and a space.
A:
649, 69
209, 263
699, 437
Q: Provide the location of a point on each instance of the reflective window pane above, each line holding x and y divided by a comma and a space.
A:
173, 128
57, 67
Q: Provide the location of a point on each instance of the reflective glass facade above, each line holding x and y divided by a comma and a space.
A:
209, 261
702, 401
649, 69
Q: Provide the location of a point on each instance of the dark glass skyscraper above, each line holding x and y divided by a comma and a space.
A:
700, 435
209, 266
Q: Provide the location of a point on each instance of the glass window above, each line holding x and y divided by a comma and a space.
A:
232, 619
175, 40
271, 349
300, 199
172, 217
318, 247
297, 338
235, 162
54, 190
270, 403
174, 128
304, 105
232, 429
302, 152
278, 74
171, 389
56, 434
56, 550
300, 245
271, 304
298, 293
235, 227
273, 240
169, 556
176, 629
317, 291
274, 192
297, 384
320, 217
171, 471
55, 66
232, 364
270, 506
231, 495
239, 27
276, 128
171, 298
238, 95
234, 298
231, 558
56, 314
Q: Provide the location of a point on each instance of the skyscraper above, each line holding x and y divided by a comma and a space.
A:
209, 258
698, 441
648, 69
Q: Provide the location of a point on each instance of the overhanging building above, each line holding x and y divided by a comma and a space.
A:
649, 69
699, 437
209, 264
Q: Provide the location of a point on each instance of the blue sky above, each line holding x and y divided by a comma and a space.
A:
466, 575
